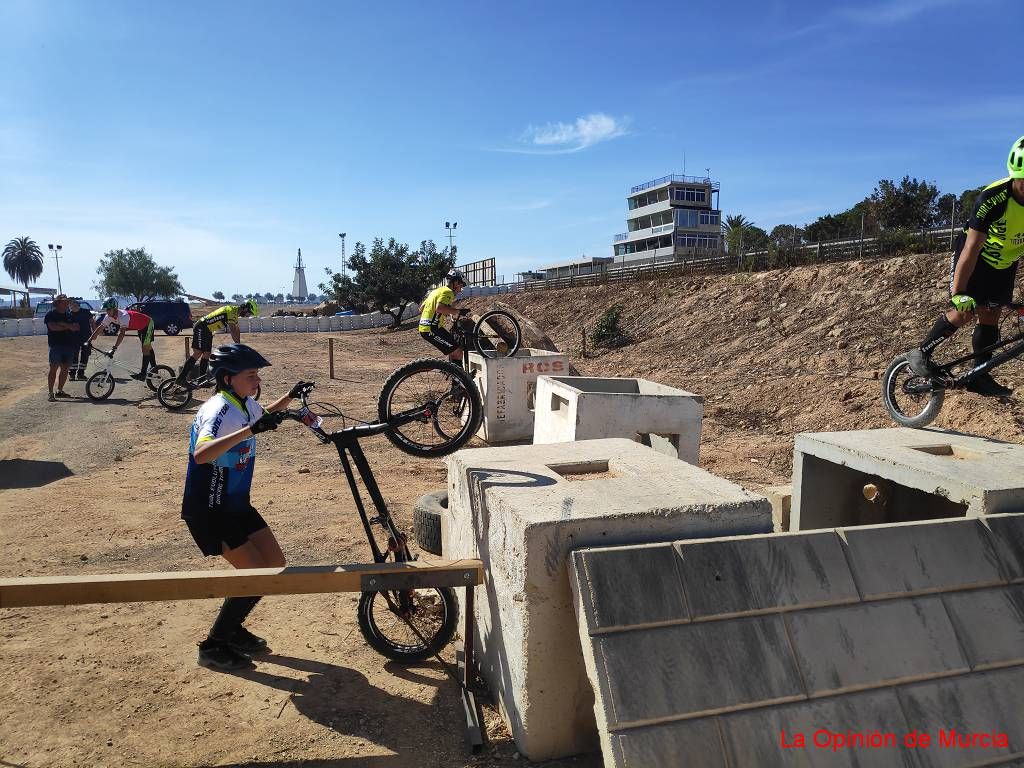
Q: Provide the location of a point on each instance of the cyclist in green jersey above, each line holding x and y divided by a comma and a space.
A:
983, 269
204, 328
435, 307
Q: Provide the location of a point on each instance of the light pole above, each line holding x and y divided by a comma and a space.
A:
450, 226
55, 250
343, 270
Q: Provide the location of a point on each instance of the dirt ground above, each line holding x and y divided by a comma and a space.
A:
96, 488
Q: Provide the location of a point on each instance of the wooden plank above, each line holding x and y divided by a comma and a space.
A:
197, 585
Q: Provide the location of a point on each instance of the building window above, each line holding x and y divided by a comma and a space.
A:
688, 195
686, 217
697, 240
706, 218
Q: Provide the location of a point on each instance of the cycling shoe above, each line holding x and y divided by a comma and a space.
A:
986, 386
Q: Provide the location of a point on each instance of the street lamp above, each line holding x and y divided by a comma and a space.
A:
450, 226
55, 250
342, 236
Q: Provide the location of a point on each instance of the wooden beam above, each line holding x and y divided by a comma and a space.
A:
197, 585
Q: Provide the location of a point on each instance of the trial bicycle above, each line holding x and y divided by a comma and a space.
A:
100, 385
915, 401
175, 395
406, 625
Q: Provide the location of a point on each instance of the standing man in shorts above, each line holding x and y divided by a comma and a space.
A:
129, 320
61, 336
204, 328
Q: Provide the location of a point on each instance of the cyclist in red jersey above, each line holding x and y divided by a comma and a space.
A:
129, 320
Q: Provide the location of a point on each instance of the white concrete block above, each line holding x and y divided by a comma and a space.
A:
584, 408
873, 476
522, 509
508, 387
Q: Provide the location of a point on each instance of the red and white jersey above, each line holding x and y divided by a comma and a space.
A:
128, 319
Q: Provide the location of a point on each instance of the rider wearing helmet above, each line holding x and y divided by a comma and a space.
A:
206, 326
216, 504
438, 304
128, 320
983, 269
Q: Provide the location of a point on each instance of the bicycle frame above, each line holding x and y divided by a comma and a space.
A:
1016, 347
112, 363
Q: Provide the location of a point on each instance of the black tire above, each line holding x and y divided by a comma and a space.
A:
99, 386
500, 323
172, 329
157, 375
426, 520
434, 615
174, 396
446, 399
906, 408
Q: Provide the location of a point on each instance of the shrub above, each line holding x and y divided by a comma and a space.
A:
607, 332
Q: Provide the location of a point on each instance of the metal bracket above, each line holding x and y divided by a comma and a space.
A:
415, 579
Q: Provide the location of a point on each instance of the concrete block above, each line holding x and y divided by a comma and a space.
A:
979, 703
990, 624
868, 645
755, 738
690, 742
672, 672
615, 586
508, 386
781, 499
916, 474
584, 408
522, 509
1008, 533
745, 575
890, 560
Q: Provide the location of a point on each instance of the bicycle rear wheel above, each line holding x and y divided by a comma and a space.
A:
174, 395
410, 625
433, 405
497, 334
907, 397
157, 375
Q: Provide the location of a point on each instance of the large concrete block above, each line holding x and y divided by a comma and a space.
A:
870, 476
865, 646
521, 510
781, 498
890, 560
508, 386
584, 408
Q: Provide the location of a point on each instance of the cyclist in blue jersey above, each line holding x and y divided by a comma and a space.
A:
983, 269
216, 505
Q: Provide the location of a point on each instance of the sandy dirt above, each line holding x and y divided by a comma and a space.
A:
96, 488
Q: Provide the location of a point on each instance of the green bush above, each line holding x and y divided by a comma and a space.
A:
607, 331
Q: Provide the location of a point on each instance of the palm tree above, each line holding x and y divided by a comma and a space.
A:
734, 228
23, 260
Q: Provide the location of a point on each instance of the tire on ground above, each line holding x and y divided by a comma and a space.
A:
426, 520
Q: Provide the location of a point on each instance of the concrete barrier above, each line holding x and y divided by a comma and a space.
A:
584, 408
522, 509
874, 476
508, 388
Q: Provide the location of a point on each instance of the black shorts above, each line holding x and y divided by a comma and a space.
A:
212, 532
441, 339
986, 282
202, 337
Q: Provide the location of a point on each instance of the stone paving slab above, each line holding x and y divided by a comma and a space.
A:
990, 624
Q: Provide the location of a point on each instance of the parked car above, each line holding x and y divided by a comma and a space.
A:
46, 305
168, 316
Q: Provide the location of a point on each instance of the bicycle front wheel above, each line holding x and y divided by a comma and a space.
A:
174, 395
157, 375
497, 334
410, 625
908, 398
433, 408
100, 385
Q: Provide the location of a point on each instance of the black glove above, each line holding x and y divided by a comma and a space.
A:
463, 311
267, 421
299, 388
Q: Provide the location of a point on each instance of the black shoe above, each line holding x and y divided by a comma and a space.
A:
138, 377
246, 642
986, 386
217, 655
921, 364
61, 393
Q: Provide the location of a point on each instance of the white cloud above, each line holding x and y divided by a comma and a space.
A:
564, 138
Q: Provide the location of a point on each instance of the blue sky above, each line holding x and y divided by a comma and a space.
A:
223, 136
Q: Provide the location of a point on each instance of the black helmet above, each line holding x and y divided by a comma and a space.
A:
232, 358
454, 275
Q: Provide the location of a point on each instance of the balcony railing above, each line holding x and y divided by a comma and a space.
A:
675, 178
645, 232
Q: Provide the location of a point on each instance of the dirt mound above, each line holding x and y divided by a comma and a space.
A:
774, 353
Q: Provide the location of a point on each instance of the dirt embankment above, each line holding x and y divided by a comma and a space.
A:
774, 353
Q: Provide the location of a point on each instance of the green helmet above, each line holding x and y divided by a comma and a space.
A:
252, 306
110, 303
1015, 162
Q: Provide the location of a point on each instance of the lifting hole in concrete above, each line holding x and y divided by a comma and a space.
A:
583, 470
531, 396
559, 404
953, 451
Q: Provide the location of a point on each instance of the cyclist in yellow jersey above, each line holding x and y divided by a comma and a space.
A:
204, 328
983, 269
435, 307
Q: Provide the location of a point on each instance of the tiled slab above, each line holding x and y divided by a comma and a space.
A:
990, 624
